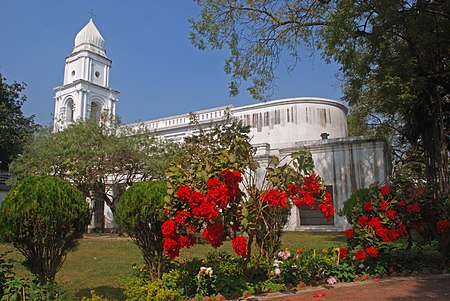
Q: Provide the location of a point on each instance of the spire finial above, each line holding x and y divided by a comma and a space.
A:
92, 14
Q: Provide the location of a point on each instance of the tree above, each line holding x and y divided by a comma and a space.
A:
394, 56
43, 217
100, 162
140, 212
15, 128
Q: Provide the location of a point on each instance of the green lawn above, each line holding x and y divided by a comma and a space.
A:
104, 264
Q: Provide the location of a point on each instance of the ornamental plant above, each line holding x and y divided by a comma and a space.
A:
219, 208
218, 190
223, 210
385, 217
43, 218
140, 213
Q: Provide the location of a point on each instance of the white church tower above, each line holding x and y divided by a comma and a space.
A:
85, 92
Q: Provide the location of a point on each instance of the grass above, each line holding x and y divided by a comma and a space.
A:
104, 264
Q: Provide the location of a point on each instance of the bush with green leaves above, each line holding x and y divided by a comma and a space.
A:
392, 224
143, 290
6, 272
43, 218
140, 213
26, 289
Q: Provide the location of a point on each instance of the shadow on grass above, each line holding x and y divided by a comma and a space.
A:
107, 292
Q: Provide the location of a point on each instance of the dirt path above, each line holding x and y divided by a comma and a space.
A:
430, 287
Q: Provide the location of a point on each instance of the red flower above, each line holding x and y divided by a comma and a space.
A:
275, 198
186, 241
383, 205
383, 233
232, 180
184, 192
207, 210
442, 226
401, 203
360, 255
368, 206
362, 221
311, 183
181, 217
385, 190
196, 199
218, 195
419, 227
342, 253
214, 183
307, 198
372, 252
413, 208
240, 245
374, 223
171, 248
327, 209
213, 234
293, 189
328, 198
169, 229
391, 214
349, 233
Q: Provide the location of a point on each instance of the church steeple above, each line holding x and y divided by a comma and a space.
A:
85, 92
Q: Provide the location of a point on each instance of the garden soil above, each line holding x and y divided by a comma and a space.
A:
427, 287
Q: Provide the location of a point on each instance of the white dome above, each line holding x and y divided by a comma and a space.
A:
90, 35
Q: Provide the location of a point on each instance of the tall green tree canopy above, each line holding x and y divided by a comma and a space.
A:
394, 57
99, 161
15, 128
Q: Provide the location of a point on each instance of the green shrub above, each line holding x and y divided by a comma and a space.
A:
43, 217
25, 289
140, 213
183, 276
391, 224
141, 290
6, 272
94, 297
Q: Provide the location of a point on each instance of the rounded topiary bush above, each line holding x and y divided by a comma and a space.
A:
43, 217
140, 212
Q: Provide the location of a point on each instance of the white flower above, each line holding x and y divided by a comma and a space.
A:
277, 263
209, 271
331, 280
277, 271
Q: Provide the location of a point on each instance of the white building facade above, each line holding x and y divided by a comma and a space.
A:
277, 127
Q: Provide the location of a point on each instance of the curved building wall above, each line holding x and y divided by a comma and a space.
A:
287, 121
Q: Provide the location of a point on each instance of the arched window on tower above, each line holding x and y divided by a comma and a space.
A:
69, 110
95, 112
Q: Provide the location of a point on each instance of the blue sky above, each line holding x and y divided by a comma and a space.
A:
156, 69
